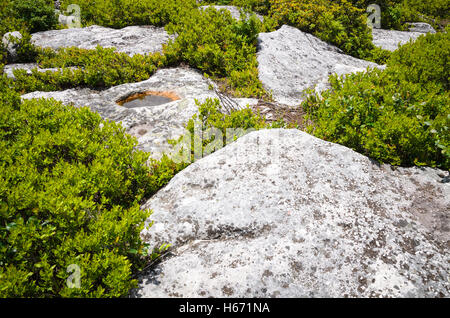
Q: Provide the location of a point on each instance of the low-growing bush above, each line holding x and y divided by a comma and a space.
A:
122, 13
435, 9
400, 115
71, 186
425, 61
212, 41
213, 128
38, 15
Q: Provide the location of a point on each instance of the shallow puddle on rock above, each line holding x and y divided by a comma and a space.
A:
148, 99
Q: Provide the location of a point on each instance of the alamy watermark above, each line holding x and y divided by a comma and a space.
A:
374, 18
71, 17
74, 279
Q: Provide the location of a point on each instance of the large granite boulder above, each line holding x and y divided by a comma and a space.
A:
152, 125
130, 40
280, 213
291, 61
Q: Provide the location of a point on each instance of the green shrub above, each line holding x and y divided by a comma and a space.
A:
122, 13
212, 41
202, 130
26, 51
336, 22
38, 15
435, 9
71, 186
425, 61
399, 116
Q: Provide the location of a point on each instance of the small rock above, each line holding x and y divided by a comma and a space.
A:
392, 39
11, 47
421, 27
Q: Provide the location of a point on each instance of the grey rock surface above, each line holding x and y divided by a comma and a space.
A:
28, 67
280, 213
11, 47
392, 39
154, 125
235, 13
421, 27
291, 61
130, 40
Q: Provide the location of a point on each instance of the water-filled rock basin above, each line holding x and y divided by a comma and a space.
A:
148, 99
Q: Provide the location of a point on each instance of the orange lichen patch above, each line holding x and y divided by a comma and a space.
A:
170, 95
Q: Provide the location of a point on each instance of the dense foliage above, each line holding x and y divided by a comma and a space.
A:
401, 115
122, 13
38, 15
70, 188
213, 129
217, 44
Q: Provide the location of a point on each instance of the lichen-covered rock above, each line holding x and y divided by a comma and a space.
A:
280, 213
152, 125
130, 40
291, 61
11, 47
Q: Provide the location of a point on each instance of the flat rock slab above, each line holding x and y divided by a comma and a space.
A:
391, 39
152, 125
130, 40
28, 67
291, 61
280, 213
